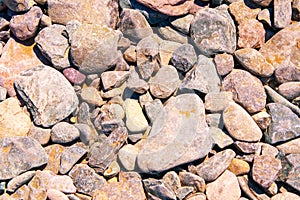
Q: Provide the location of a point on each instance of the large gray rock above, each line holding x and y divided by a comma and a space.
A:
179, 136
49, 96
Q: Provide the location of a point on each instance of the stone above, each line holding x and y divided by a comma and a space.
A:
53, 194
54, 152
239, 167
42, 135
45, 21
63, 132
112, 170
247, 147
127, 157
224, 63
220, 138
225, 187
19, 181
20, 154
25, 26
184, 57
262, 119
21, 193
264, 16
213, 167
70, 156
47, 103
267, 149
13, 120
282, 13
166, 30
251, 34
90, 12
183, 192
242, 12
285, 195
134, 25
213, 31
166, 49
16, 57
250, 188
217, 101
159, 189
162, 87
240, 125
170, 8
153, 109
247, 90
290, 90
293, 174
190, 179
284, 124
111, 79
182, 24
3, 93
264, 3
136, 84
197, 196
171, 178
290, 147
265, 170
130, 54
19, 5
85, 179
281, 50
182, 123
74, 76
92, 96
215, 120
54, 46
203, 77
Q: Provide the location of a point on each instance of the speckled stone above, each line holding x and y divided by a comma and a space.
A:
167, 32
247, 147
220, 138
19, 181
285, 196
291, 147
111, 79
293, 177
242, 12
282, 13
42, 135
224, 63
287, 74
262, 119
166, 49
251, 34
190, 179
54, 152
74, 76
184, 57
290, 90
217, 101
159, 189
64, 132
182, 23
172, 179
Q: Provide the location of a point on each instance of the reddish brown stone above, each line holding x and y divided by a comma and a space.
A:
224, 63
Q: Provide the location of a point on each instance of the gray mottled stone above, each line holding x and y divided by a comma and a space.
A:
215, 120
262, 119
217, 101
64, 132
153, 109
92, 96
183, 192
159, 189
168, 33
182, 24
190, 179
224, 63
184, 57
171, 178
291, 147
136, 84
293, 176
290, 90
282, 13
127, 157
220, 138
20, 180
166, 49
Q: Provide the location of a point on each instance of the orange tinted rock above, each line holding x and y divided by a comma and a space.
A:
54, 152
242, 12
251, 34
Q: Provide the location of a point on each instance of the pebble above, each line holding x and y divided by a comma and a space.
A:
183, 192
3, 93
182, 24
220, 138
112, 170
169, 33
166, 49
262, 119
247, 147
239, 167
282, 13
290, 90
217, 101
287, 74
184, 57
92, 96
42, 135
172, 179
127, 157
250, 189
153, 109
293, 175
130, 54
264, 16
74, 76
159, 189
136, 84
242, 11
21, 193
251, 34
54, 152
215, 120
190, 179
197, 196
64, 132
19, 5
224, 63
19, 181
290, 147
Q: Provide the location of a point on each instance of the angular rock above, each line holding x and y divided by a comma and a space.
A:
224, 63
183, 192
172, 179
92, 96
136, 84
112, 170
182, 123
239, 167
19, 5
265, 170
165, 82
85, 179
213, 31
169, 33
203, 77
217, 101
20, 154
267, 149
74, 76
251, 34
25, 26
184, 57
293, 175
247, 90
247, 147
282, 13
19, 181
64, 132
290, 90
166, 49
212, 168
113, 79
284, 124
130, 54
291, 147
225, 187
182, 24
190, 179
54, 153
264, 16
153, 109
3, 93
220, 138
86, 11
159, 189
41, 135
127, 157
21, 193
54, 46
53, 194
242, 12
13, 120
262, 119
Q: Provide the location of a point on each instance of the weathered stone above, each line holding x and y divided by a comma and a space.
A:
184, 57
264, 16
265, 170
92, 96
153, 109
127, 157
220, 138
251, 34
19, 181
53, 194
13, 120
64, 132
134, 25
267, 149
165, 82
172, 179
136, 84
190, 179
203, 77
217, 102
264, 3
3, 93
171, 8
242, 12
182, 123
213, 167
247, 90
262, 119
282, 13
213, 31
20, 154
21, 193
112, 79
291, 147
19, 5
45, 21
86, 180
15, 58
169, 33
42, 135
166, 49
225, 187
239, 167
285, 195
293, 175
86, 11
287, 74
290, 90
74, 76
112, 170
250, 188
182, 24
25, 26
247, 147
54, 153
215, 120
183, 192
159, 189
47, 102
197, 196
224, 63
240, 125
130, 54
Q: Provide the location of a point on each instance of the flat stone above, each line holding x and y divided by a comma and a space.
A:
54, 152
240, 125
171, 178
247, 90
291, 147
171, 8
74, 76
21, 193
284, 124
217, 101
239, 167
159, 189
165, 82
64, 132
47, 102
203, 77
293, 175
25, 26
136, 84
290, 90
184, 57
251, 34
127, 157
182, 123
54, 46
247, 147
16, 57
265, 170
166, 30
225, 187
19, 5
53, 194
13, 120
264, 3
282, 13
112, 79
213, 31
86, 11
220, 138
242, 12
92, 96
19, 181
224, 63
20, 154
190, 179
166, 49
262, 119
85, 179
213, 167
182, 23
285, 195
42, 135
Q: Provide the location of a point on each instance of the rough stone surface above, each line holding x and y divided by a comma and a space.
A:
224, 63
184, 57
64, 132
285, 195
54, 153
190, 179
262, 119
240, 125
92, 96
49, 97
19, 5
42, 135
239, 167
217, 101
74, 76
159, 189
53, 194
264, 16
182, 24
290, 90
247, 90
242, 12
282, 13
172, 179
166, 30
213, 31
247, 147
166, 49
127, 157
220, 138
20, 180
291, 147
20, 154
293, 174
113, 79
287, 74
